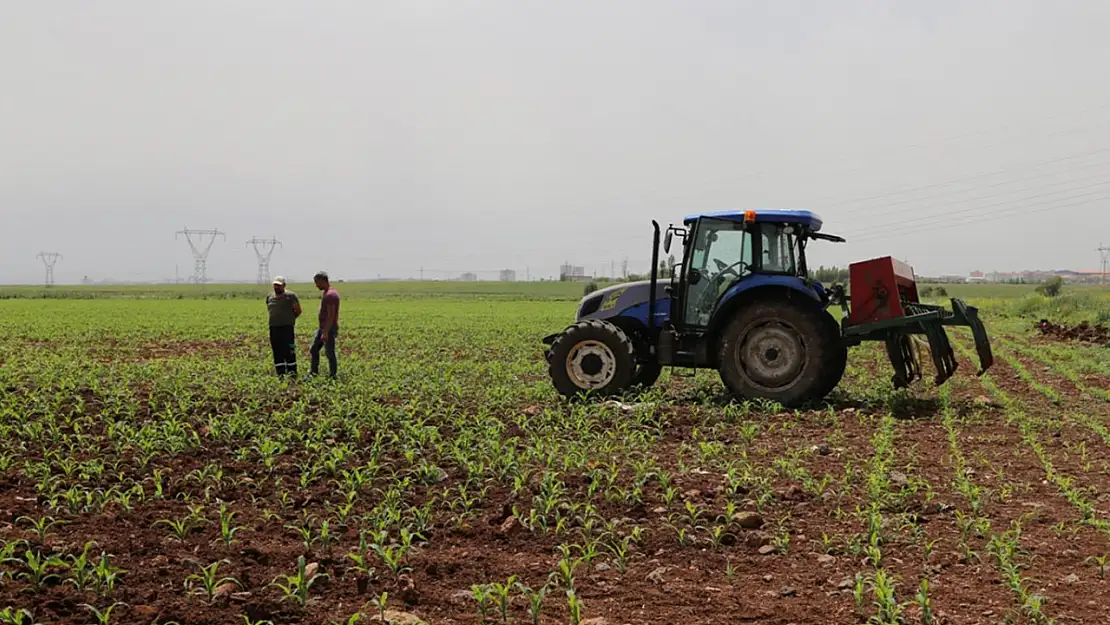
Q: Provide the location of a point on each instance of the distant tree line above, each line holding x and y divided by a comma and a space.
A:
829, 275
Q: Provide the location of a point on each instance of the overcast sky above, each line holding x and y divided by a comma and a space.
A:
375, 137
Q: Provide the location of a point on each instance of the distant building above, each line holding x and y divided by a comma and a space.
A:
468, 277
1086, 276
508, 275
572, 272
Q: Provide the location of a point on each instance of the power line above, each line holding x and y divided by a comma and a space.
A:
200, 252
49, 259
264, 249
931, 208
967, 178
884, 227
891, 233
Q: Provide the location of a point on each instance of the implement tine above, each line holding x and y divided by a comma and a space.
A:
943, 357
970, 316
907, 367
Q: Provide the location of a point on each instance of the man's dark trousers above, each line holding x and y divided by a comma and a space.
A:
329, 349
283, 343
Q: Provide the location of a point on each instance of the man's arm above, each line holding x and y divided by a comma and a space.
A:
296, 306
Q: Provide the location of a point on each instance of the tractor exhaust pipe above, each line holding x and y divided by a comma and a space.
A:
654, 281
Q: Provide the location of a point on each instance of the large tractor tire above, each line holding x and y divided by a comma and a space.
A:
646, 374
591, 356
781, 351
838, 358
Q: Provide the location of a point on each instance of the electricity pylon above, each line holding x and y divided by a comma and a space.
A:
1104, 253
200, 254
264, 249
49, 259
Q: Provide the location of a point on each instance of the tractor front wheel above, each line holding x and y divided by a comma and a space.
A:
591, 356
780, 351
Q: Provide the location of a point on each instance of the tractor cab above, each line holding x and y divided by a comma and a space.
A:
721, 250
724, 255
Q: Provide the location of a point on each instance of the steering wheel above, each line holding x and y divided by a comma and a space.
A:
709, 295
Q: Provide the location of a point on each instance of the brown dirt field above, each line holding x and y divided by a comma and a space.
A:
665, 582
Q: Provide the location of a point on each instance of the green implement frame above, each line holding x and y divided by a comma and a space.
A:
928, 320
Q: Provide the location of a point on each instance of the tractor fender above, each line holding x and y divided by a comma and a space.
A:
634, 324
757, 289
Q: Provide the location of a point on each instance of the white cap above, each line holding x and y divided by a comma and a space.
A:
279, 280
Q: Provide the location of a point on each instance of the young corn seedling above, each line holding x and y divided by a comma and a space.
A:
393, 556
325, 537
361, 565
588, 552
483, 597
297, 585
380, 602
720, 536
859, 592
81, 573
12, 616
1101, 562
208, 580
106, 576
622, 552
180, 528
40, 526
889, 610
924, 603
574, 606
564, 573
103, 617
535, 601
306, 533
351, 620
227, 530
37, 573
502, 595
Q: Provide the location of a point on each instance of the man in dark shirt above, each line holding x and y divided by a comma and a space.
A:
329, 324
284, 308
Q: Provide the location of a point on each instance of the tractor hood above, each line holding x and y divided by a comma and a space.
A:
611, 301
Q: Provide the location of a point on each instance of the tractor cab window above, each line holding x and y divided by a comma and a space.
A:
778, 249
721, 254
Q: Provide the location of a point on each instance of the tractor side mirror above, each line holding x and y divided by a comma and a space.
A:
667, 241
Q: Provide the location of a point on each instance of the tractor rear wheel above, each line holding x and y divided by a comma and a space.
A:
646, 374
591, 356
779, 350
838, 359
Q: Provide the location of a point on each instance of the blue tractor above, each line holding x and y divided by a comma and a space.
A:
741, 301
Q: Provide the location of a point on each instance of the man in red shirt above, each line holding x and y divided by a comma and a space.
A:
329, 325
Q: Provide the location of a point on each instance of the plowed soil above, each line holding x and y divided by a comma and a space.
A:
1084, 332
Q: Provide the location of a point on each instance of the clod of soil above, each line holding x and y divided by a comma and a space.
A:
1084, 332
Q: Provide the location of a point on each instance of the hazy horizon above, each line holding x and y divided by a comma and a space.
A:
374, 139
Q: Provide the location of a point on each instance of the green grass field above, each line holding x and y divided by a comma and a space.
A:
151, 461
